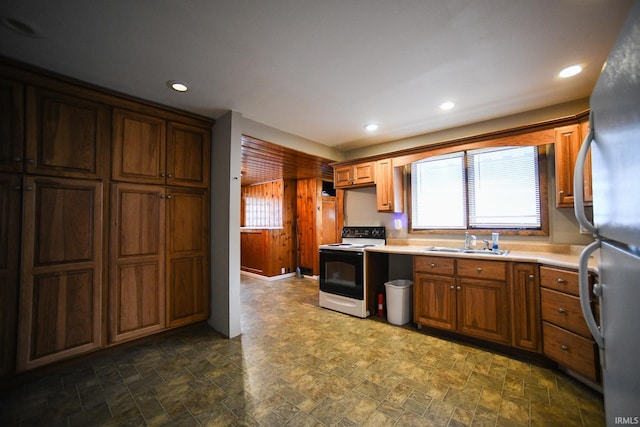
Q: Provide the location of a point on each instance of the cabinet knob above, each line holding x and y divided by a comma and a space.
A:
562, 311
531, 277
168, 196
28, 188
564, 347
163, 196
479, 269
17, 159
31, 161
451, 287
560, 280
459, 288
433, 265
169, 176
17, 187
163, 175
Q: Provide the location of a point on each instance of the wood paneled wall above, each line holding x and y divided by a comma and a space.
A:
268, 241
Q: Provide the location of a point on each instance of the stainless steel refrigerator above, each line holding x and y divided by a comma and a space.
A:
614, 139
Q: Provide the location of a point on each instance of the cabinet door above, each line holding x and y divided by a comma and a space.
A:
483, 309
61, 289
10, 192
187, 256
568, 142
364, 173
11, 126
188, 155
587, 181
435, 301
66, 135
139, 148
525, 307
342, 176
384, 183
137, 290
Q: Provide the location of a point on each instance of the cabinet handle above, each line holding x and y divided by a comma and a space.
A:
479, 269
564, 347
17, 159
163, 196
163, 175
433, 265
168, 196
17, 187
562, 311
531, 277
451, 287
169, 176
31, 161
459, 288
28, 188
560, 280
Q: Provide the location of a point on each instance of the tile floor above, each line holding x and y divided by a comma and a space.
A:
301, 365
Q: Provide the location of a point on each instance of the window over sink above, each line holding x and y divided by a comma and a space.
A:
493, 188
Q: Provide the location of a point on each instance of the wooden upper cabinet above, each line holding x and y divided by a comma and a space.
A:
568, 140
10, 197
60, 312
149, 150
188, 155
136, 291
389, 187
66, 135
187, 255
358, 175
11, 126
139, 148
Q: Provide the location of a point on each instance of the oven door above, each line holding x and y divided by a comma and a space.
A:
342, 273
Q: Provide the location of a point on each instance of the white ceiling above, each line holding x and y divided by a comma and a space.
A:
321, 69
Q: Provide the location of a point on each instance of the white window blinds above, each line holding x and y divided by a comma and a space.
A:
437, 185
498, 188
503, 188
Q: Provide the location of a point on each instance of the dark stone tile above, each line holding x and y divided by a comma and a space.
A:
93, 416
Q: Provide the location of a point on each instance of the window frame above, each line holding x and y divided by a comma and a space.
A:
544, 200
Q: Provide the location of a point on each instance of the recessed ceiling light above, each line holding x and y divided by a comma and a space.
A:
448, 105
570, 71
20, 27
370, 127
177, 86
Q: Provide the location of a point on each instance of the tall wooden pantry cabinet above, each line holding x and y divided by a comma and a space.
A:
104, 218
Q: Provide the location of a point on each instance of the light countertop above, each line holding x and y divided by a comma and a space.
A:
552, 256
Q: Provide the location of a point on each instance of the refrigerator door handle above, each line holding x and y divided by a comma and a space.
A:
578, 181
583, 282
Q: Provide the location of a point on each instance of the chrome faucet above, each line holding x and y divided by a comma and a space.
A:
469, 240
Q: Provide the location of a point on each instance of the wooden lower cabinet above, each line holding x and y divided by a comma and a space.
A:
435, 301
187, 255
60, 313
10, 197
566, 337
483, 309
474, 306
137, 265
525, 307
159, 275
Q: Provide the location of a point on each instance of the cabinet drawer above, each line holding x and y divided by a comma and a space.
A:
561, 280
564, 310
434, 265
571, 350
479, 269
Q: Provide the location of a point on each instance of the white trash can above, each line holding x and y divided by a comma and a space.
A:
399, 297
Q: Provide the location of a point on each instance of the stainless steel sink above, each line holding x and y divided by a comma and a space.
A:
443, 249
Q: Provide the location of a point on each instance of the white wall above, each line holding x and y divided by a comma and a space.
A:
225, 225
